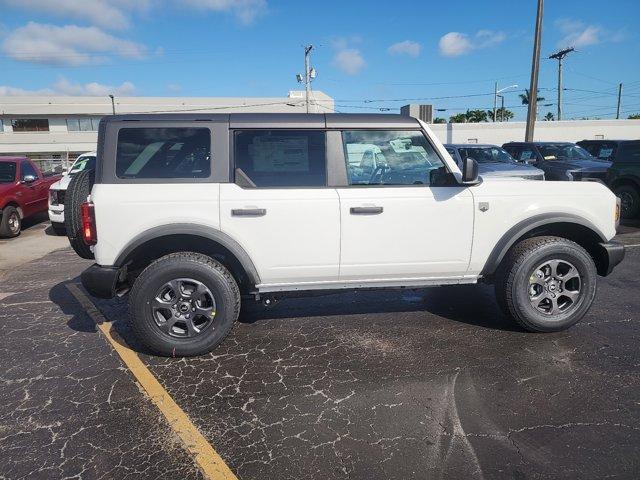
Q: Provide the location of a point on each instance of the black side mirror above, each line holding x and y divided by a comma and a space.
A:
470, 171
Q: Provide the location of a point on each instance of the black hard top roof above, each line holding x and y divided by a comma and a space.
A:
280, 120
539, 143
607, 140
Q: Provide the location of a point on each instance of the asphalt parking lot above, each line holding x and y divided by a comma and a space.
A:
431, 383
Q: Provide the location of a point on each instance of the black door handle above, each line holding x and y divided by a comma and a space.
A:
249, 212
365, 210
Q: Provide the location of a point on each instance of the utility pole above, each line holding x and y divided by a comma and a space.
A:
559, 55
535, 67
495, 100
309, 74
113, 104
619, 100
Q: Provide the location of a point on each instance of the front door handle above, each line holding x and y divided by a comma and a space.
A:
249, 212
365, 210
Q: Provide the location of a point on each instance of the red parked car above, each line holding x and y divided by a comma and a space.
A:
24, 191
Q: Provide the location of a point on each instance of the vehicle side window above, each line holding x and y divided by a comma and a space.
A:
163, 153
282, 158
630, 153
27, 169
526, 154
400, 157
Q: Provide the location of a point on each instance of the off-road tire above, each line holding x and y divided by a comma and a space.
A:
5, 229
58, 228
632, 194
77, 192
194, 266
518, 266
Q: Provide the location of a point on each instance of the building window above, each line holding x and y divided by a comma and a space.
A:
83, 124
30, 125
1, 126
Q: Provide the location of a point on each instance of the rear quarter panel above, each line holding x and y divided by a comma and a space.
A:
123, 211
513, 201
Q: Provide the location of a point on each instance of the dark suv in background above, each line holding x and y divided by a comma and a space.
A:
624, 175
559, 160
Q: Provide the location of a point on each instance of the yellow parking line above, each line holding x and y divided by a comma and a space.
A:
211, 464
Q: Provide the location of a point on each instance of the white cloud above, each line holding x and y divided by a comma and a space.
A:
408, 47
246, 11
109, 14
64, 87
349, 60
67, 45
454, 44
578, 34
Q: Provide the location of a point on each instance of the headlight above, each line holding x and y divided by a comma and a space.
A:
53, 197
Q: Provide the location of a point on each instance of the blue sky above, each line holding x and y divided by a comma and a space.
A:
369, 55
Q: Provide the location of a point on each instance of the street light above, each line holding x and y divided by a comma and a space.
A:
495, 97
113, 104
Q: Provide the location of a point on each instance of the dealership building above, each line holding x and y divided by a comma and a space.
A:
62, 127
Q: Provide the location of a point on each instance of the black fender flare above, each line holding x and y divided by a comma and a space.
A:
509, 238
195, 230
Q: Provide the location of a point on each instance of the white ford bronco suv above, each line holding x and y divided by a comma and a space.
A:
193, 212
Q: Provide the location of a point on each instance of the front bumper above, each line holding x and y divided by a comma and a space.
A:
56, 213
102, 282
612, 254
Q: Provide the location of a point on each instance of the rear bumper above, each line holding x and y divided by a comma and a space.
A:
613, 253
102, 282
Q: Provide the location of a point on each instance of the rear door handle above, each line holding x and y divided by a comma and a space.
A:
365, 210
249, 212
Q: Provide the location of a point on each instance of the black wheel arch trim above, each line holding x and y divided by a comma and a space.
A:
625, 180
197, 231
522, 228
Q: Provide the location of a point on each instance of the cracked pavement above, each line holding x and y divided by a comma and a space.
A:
430, 383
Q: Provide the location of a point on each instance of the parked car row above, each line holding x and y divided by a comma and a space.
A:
613, 162
24, 190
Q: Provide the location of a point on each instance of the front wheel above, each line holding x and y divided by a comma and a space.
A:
629, 200
546, 284
184, 304
11, 223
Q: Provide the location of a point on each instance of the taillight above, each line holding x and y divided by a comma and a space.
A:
89, 232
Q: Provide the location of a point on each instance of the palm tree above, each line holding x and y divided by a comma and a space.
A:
526, 96
549, 117
476, 116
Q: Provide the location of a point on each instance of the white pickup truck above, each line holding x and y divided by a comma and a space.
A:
57, 191
195, 211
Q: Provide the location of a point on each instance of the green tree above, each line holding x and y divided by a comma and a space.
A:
439, 120
526, 96
502, 114
477, 116
458, 118
634, 116
549, 117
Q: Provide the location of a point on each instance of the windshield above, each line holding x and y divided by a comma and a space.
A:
486, 154
7, 172
564, 150
83, 163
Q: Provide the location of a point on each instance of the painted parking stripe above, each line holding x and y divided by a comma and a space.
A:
205, 456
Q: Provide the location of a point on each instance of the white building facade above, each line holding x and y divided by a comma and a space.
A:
62, 127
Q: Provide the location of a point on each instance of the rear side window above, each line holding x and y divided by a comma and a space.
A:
281, 158
163, 153
630, 152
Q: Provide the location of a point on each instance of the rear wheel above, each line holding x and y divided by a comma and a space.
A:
184, 304
629, 200
11, 222
546, 284
77, 192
